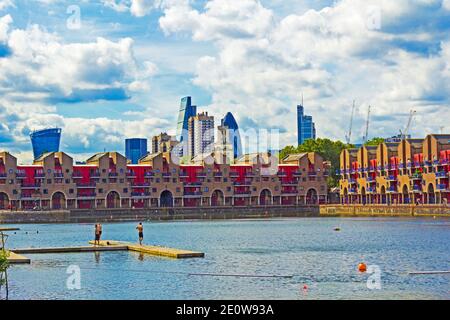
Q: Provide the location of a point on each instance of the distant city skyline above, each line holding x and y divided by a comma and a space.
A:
135, 149
118, 68
306, 128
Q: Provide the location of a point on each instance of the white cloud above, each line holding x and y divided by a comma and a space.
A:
4, 27
119, 6
40, 61
40, 70
5, 4
446, 4
222, 19
138, 8
354, 50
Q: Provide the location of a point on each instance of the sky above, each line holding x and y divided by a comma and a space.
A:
108, 70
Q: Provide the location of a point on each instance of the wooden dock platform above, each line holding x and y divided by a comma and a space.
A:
70, 249
15, 258
154, 250
15, 255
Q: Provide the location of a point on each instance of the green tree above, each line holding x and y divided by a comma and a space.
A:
3, 265
374, 142
328, 149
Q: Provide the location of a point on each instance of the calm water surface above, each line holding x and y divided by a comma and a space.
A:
308, 249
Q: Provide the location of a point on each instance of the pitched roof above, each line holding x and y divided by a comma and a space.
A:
295, 157
149, 156
96, 156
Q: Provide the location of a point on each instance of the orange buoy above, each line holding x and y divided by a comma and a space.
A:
362, 267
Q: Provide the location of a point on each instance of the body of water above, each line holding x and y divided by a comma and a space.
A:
322, 262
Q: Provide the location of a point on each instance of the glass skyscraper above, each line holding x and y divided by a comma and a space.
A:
234, 137
135, 149
305, 126
44, 141
187, 110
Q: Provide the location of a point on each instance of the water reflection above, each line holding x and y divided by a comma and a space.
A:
4, 290
97, 256
141, 256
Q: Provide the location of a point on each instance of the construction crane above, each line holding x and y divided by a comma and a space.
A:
404, 134
348, 136
366, 135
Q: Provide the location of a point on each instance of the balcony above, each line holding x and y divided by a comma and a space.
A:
250, 174
281, 174
193, 194
352, 191
441, 187
437, 163
242, 183
289, 192
30, 196
441, 174
371, 190
352, 181
218, 174
234, 174
95, 174
89, 185
417, 188
391, 178
201, 175
113, 174
140, 184
183, 175
131, 174
392, 189
192, 184
30, 185
289, 183
58, 175
3, 175
166, 174
140, 194
242, 193
87, 195
371, 179
372, 169
427, 163
312, 173
77, 175
149, 174
416, 177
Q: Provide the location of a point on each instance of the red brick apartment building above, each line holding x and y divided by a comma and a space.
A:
54, 182
409, 172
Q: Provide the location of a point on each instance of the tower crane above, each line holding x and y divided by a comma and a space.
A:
348, 136
366, 135
404, 134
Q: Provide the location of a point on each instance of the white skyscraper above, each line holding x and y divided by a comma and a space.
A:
200, 134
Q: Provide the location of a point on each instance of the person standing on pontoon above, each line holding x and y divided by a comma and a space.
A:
140, 229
